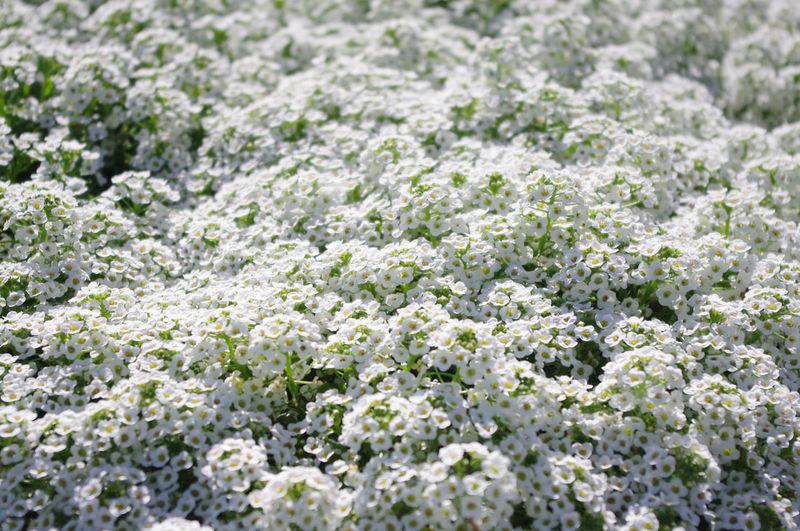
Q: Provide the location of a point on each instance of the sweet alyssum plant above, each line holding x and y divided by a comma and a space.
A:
399, 264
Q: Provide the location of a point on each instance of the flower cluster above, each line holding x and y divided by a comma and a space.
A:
399, 264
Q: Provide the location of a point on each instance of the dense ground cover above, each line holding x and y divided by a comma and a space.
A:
384, 264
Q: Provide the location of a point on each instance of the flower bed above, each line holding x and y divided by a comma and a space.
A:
399, 264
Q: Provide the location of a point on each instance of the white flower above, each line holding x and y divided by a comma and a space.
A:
338, 264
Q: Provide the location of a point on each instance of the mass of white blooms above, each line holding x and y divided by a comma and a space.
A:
399, 264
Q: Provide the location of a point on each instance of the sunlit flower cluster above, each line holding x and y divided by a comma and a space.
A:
399, 264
